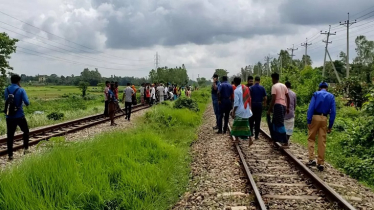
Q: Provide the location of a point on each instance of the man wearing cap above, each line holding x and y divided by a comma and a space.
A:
321, 105
215, 86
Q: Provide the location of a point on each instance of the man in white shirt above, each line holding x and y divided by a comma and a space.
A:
153, 94
241, 112
160, 91
127, 95
166, 92
142, 93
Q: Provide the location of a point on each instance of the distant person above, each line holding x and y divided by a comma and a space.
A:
133, 97
15, 97
106, 90
214, 92
148, 94
249, 81
116, 89
153, 94
142, 94
279, 105
289, 118
225, 92
258, 97
127, 96
249, 85
166, 92
175, 92
241, 112
321, 105
160, 91
188, 93
112, 103
183, 92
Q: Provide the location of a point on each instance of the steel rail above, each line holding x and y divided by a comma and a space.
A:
331, 194
252, 182
70, 126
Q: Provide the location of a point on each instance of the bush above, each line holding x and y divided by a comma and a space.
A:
188, 103
55, 116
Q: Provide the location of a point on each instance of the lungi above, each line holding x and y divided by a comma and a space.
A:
240, 128
289, 124
279, 131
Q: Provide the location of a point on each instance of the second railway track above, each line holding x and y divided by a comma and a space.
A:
60, 129
280, 181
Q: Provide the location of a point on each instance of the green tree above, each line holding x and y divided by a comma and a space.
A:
83, 86
92, 77
202, 82
101, 85
7, 47
221, 72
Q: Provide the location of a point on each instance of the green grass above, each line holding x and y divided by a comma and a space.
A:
143, 168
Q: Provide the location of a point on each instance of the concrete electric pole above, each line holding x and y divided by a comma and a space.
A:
347, 23
306, 44
327, 53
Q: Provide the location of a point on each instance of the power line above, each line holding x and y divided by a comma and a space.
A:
64, 38
292, 50
327, 43
70, 61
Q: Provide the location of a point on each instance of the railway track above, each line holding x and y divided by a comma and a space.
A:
60, 129
281, 181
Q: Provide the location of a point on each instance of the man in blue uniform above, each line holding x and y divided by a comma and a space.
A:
258, 95
18, 119
215, 86
321, 105
225, 92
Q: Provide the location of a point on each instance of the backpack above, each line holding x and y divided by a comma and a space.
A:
10, 108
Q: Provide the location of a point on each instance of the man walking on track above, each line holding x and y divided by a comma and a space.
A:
142, 93
15, 96
280, 103
258, 97
321, 105
241, 112
127, 95
289, 118
225, 92
106, 90
215, 86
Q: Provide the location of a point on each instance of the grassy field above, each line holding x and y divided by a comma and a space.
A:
62, 99
146, 167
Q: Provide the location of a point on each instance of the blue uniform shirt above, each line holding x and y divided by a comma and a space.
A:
215, 92
322, 102
225, 92
19, 97
257, 94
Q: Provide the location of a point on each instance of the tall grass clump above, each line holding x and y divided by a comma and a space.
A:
146, 167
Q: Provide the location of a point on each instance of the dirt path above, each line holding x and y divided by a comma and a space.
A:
217, 180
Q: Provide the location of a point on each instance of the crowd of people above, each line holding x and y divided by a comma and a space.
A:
246, 103
150, 94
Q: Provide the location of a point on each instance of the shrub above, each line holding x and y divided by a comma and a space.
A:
188, 103
55, 116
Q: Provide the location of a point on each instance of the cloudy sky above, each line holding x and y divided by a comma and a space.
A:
121, 37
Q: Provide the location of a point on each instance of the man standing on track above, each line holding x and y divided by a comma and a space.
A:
280, 103
249, 85
321, 105
127, 96
289, 118
106, 90
215, 86
225, 92
241, 112
142, 94
153, 94
161, 91
15, 116
258, 97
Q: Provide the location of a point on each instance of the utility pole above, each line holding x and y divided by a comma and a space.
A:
327, 53
157, 60
267, 59
292, 49
280, 63
327, 43
347, 23
306, 44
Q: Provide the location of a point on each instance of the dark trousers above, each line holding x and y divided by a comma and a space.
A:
106, 112
223, 114
216, 109
255, 121
128, 110
11, 129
